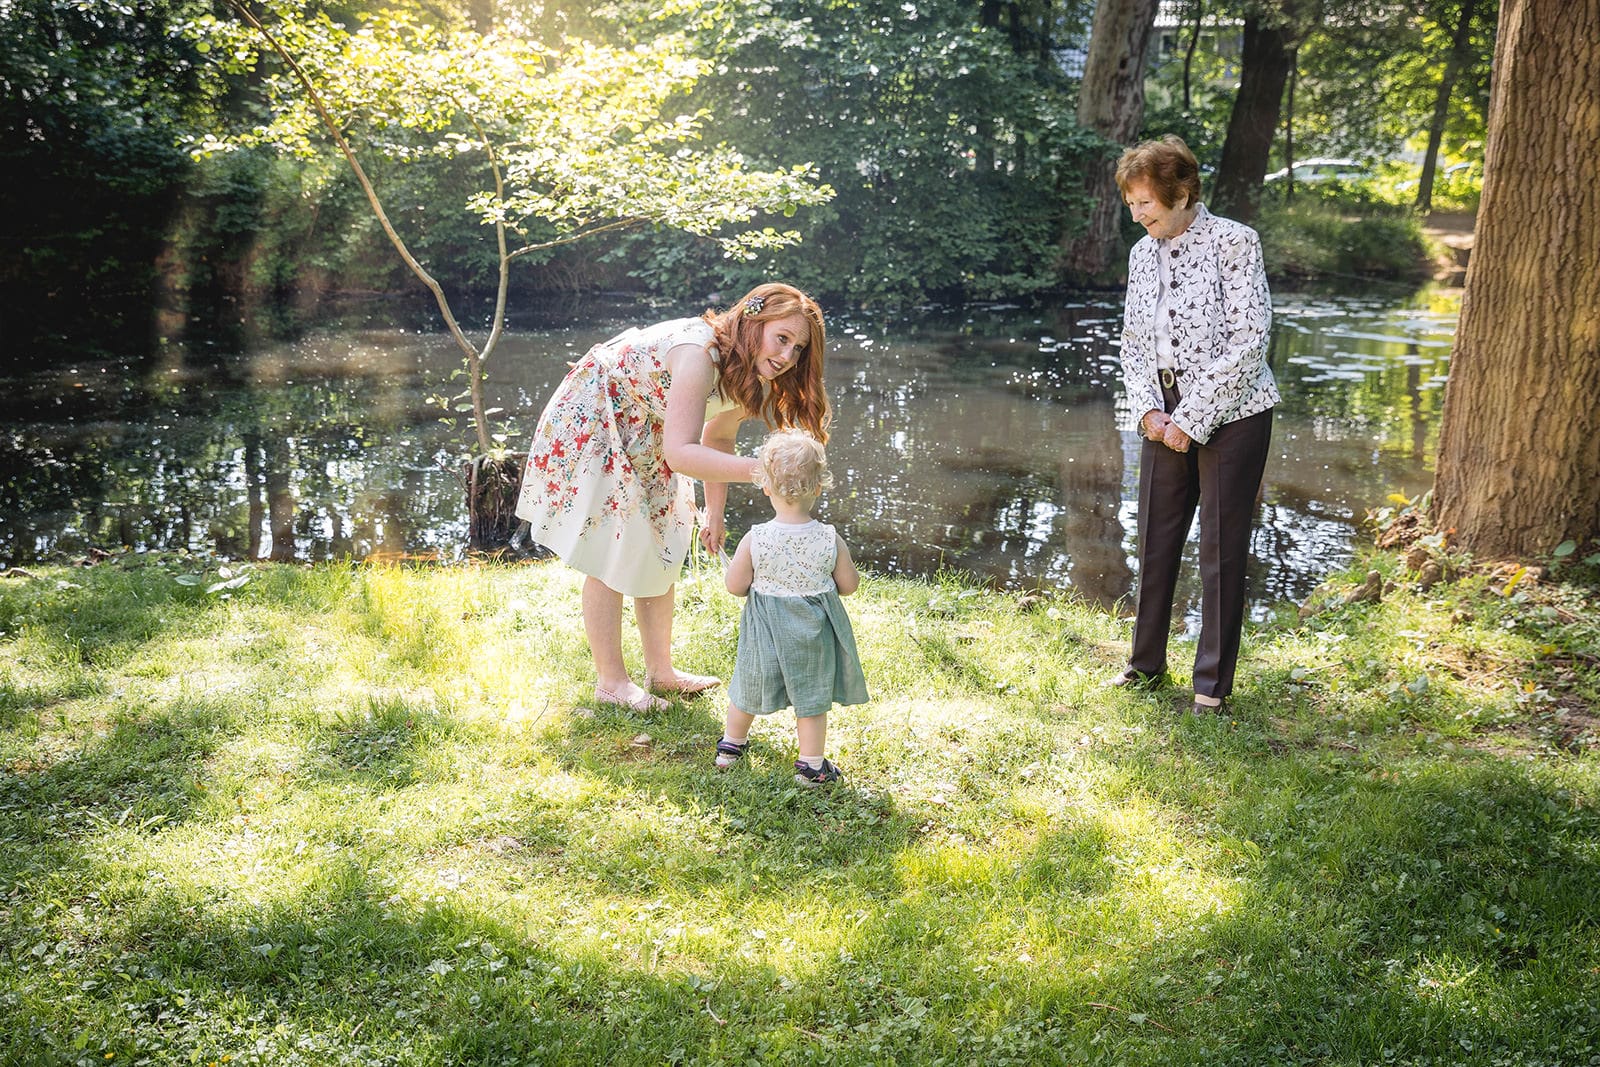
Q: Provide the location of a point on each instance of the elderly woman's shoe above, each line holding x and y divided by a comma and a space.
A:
1136, 681
1197, 708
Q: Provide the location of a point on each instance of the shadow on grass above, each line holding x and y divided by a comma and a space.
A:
144, 774
764, 819
21, 700
1312, 910
385, 747
1430, 910
104, 613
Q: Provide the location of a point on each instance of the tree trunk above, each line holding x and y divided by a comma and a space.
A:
1268, 56
1519, 442
1110, 102
1459, 47
1188, 54
1288, 133
492, 484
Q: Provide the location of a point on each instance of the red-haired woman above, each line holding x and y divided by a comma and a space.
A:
608, 482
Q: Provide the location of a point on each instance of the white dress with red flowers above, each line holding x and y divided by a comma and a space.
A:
597, 490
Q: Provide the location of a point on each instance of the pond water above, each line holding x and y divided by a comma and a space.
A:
982, 442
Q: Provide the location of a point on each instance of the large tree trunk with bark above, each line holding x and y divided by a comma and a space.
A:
1110, 102
1519, 444
1270, 43
1459, 47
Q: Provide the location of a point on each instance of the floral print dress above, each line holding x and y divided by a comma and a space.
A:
597, 490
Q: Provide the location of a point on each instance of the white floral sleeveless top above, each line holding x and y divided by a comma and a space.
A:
793, 560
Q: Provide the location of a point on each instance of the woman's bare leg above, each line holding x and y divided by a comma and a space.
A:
655, 632
602, 624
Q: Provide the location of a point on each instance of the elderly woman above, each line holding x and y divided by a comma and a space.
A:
1194, 364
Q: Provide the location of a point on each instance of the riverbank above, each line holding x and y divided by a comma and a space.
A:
362, 814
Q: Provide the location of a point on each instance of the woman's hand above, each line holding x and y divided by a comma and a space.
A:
712, 533
1154, 424
1174, 437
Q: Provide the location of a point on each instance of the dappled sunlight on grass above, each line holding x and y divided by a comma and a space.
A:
372, 813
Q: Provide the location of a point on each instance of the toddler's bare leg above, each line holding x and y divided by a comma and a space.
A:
813, 735
738, 728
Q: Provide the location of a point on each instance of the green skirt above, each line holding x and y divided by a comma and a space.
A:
796, 651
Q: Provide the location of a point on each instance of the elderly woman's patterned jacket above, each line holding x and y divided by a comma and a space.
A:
1221, 323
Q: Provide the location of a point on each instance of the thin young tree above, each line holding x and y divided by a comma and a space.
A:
1455, 61
573, 139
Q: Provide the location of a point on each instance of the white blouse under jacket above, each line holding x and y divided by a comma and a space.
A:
1220, 322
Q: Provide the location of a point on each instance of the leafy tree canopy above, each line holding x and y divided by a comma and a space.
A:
575, 136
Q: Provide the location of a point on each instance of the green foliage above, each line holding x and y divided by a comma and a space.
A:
1213, 81
570, 142
91, 99
1367, 78
1319, 240
951, 143
1577, 563
579, 135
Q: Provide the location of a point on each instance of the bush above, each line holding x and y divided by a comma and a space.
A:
1316, 240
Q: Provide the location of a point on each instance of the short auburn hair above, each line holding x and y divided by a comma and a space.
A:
1167, 165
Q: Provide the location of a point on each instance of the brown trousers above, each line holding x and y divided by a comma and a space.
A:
1223, 477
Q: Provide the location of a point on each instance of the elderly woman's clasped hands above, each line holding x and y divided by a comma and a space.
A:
1158, 426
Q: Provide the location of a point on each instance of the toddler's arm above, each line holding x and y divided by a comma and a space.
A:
845, 575
741, 569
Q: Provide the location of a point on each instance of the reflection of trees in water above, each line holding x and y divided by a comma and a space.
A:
984, 456
1091, 471
985, 444
277, 468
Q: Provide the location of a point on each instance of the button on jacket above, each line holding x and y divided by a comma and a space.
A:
1219, 317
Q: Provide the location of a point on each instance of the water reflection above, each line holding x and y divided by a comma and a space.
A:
983, 443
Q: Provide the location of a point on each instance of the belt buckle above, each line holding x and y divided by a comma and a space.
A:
1169, 379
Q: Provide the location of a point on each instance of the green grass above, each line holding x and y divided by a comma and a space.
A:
369, 815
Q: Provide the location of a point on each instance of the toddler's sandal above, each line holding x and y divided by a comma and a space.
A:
729, 753
826, 774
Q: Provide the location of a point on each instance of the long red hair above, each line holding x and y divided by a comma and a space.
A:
795, 398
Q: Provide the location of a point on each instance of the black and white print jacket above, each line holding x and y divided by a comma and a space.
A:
1220, 316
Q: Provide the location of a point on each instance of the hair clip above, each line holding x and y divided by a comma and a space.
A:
754, 305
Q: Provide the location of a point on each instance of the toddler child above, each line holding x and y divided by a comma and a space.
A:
796, 647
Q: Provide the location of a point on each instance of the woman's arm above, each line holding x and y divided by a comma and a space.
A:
1137, 352
1243, 339
720, 433
845, 575
741, 569
683, 436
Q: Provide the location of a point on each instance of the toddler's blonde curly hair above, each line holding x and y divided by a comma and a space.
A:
793, 465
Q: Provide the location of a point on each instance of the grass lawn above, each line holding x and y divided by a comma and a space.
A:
370, 815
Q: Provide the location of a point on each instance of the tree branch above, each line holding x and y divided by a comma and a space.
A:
366, 187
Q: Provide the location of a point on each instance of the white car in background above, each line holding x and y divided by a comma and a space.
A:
1323, 169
